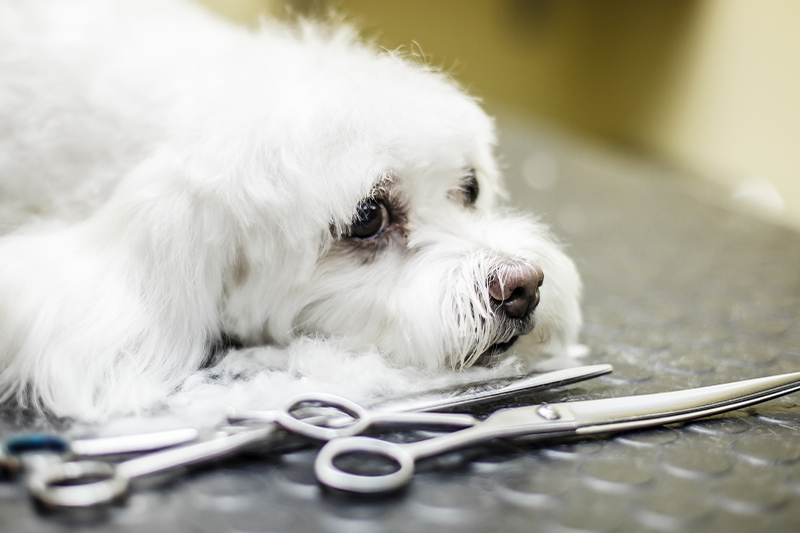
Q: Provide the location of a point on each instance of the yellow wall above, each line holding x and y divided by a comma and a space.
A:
595, 66
712, 86
245, 12
733, 108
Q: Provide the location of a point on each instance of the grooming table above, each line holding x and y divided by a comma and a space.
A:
679, 293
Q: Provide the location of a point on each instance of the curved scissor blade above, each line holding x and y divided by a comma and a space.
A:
619, 414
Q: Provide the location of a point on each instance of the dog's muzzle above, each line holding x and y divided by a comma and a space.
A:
514, 290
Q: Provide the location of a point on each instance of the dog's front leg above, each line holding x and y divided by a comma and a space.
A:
110, 314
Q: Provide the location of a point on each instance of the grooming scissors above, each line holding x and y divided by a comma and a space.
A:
547, 421
16, 447
63, 484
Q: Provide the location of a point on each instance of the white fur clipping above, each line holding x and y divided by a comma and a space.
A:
264, 377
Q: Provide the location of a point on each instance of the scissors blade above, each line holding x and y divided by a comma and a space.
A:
548, 421
458, 397
469, 394
620, 414
143, 442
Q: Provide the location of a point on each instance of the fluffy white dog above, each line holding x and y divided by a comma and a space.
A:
169, 181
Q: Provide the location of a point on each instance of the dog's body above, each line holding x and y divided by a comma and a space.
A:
168, 180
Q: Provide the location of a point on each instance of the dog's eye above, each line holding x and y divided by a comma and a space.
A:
371, 219
470, 188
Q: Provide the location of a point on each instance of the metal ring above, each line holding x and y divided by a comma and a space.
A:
42, 484
344, 405
328, 474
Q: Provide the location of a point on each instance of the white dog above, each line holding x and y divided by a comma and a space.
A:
169, 180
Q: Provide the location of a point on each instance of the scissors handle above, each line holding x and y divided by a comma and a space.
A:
355, 415
503, 423
76, 483
48, 484
356, 419
329, 474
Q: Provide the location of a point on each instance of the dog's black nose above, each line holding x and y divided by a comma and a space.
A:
514, 288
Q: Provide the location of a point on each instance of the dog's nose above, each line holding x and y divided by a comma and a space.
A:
515, 288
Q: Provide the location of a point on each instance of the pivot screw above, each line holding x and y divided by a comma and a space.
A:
548, 412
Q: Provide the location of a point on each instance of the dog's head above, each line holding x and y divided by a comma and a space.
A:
377, 194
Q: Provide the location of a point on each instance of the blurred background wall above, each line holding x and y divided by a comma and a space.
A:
709, 86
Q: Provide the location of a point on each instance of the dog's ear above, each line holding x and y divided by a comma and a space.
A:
228, 243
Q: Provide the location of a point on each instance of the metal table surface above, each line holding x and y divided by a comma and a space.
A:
678, 293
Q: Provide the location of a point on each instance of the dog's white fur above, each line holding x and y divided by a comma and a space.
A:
167, 178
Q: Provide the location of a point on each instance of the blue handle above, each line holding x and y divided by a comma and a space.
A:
36, 442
